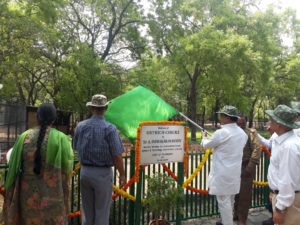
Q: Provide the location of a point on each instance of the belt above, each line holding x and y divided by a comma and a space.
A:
276, 191
91, 165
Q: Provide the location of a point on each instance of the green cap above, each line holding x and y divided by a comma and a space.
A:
295, 106
284, 115
229, 111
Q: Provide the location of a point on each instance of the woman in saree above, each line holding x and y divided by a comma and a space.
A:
40, 167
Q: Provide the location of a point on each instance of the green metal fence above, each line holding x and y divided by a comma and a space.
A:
124, 211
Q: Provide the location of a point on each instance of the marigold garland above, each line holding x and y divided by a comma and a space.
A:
266, 150
74, 214
137, 155
76, 169
2, 191
171, 174
123, 193
197, 170
125, 187
260, 183
199, 191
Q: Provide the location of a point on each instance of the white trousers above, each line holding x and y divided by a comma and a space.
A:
225, 205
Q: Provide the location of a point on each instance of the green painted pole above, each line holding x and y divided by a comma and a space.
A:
138, 199
132, 187
179, 202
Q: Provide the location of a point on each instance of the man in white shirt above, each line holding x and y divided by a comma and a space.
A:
225, 175
284, 168
296, 106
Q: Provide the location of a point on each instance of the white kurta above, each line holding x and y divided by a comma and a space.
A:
228, 144
284, 168
297, 131
267, 142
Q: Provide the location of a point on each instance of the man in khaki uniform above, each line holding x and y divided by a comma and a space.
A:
251, 156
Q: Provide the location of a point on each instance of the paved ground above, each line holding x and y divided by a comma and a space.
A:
255, 217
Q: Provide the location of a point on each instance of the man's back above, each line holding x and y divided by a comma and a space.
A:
96, 142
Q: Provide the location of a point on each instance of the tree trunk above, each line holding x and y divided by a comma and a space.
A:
203, 116
216, 109
192, 108
251, 113
192, 98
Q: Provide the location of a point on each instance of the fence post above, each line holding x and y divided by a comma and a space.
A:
132, 187
179, 202
138, 198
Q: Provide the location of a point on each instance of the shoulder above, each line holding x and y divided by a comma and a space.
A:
109, 127
222, 132
292, 145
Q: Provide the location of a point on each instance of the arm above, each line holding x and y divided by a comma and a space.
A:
263, 141
118, 160
219, 137
116, 147
255, 146
255, 151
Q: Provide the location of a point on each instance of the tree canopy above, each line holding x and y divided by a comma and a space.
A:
196, 54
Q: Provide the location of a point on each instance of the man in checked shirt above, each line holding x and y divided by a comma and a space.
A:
99, 148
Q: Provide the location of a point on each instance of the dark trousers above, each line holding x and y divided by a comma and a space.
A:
243, 200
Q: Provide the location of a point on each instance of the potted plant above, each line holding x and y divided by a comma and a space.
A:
161, 196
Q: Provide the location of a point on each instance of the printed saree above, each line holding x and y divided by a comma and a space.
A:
32, 199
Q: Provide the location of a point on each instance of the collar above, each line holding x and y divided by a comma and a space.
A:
97, 117
229, 125
284, 136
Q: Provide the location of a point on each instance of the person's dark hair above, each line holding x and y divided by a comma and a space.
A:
99, 109
46, 115
233, 119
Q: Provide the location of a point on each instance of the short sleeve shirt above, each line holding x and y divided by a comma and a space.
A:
97, 141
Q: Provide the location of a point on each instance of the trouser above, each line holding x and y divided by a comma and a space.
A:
96, 191
243, 200
225, 205
292, 214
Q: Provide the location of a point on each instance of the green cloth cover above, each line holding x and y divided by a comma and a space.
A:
137, 105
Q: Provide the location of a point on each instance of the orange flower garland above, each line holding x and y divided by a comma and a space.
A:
2, 191
170, 173
266, 150
137, 155
125, 187
74, 214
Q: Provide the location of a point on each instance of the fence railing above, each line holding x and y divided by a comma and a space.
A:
195, 205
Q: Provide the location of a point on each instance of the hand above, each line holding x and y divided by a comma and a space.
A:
271, 196
204, 134
122, 181
278, 217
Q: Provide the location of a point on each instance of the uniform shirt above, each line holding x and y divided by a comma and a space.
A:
252, 148
284, 168
228, 144
96, 142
